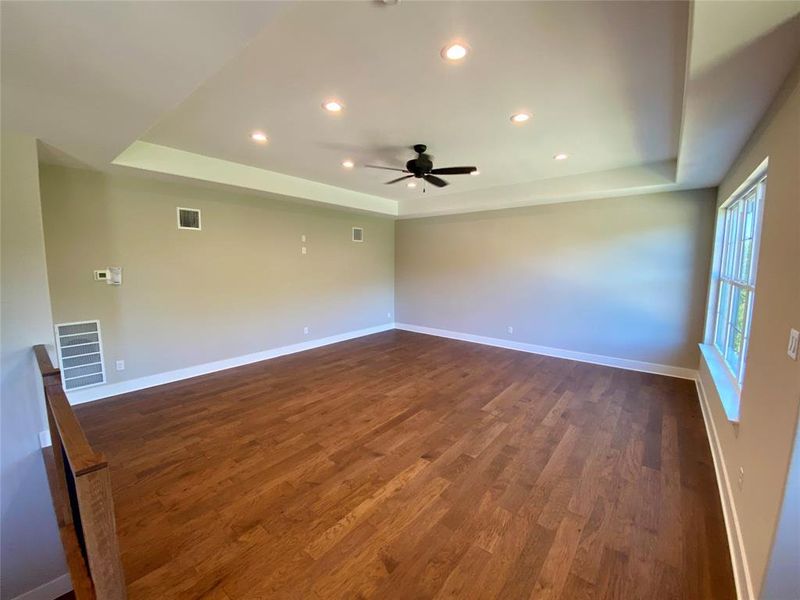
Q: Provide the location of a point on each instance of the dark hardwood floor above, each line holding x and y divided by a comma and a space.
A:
406, 466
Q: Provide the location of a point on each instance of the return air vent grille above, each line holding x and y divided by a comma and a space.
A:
188, 218
358, 234
80, 354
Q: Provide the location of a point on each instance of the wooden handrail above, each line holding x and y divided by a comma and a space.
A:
80, 485
82, 458
46, 367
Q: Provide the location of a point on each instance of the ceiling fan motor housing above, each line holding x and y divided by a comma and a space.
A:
422, 164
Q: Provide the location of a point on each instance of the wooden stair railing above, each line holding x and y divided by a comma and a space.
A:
81, 489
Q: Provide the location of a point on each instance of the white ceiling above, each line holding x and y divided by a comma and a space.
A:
181, 85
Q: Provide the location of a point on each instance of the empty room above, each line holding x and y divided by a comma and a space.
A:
400, 300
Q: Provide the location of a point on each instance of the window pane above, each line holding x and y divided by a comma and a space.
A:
748, 233
736, 255
750, 216
736, 329
722, 315
730, 240
747, 259
726, 244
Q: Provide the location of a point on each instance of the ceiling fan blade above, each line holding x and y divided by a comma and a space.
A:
435, 180
386, 168
399, 179
454, 170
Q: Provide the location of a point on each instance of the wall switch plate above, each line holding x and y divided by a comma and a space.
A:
303, 250
794, 340
120, 365
741, 477
510, 329
303, 238
305, 330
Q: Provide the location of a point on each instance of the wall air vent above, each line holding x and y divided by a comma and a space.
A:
80, 354
358, 234
188, 218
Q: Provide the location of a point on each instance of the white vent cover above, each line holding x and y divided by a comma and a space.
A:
188, 218
80, 354
358, 234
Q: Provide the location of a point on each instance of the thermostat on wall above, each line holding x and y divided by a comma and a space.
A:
111, 275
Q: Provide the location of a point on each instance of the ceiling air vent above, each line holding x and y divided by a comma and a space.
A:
80, 354
358, 234
188, 218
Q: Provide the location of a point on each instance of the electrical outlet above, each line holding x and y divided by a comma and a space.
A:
510, 329
303, 238
120, 365
741, 477
305, 330
388, 315
303, 250
794, 340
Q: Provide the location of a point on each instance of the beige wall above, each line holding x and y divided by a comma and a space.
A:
239, 286
621, 277
762, 444
31, 552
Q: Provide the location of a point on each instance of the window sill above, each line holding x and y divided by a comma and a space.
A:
726, 390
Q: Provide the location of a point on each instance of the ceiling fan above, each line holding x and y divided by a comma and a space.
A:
422, 168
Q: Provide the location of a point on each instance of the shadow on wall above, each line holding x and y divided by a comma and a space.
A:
745, 64
25, 488
625, 278
655, 129
101, 251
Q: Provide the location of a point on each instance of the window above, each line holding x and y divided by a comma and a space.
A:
740, 223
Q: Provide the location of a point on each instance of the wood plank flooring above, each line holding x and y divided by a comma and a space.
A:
407, 466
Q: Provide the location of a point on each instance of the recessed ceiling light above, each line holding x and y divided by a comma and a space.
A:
455, 51
259, 137
333, 106
348, 164
475, 172
520, 117
412, 184
561, 156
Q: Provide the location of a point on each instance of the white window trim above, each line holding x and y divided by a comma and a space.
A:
729, 387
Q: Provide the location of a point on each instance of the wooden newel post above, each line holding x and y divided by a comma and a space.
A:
100, 533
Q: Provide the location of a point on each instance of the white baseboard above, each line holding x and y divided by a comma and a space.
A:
741, 570
50, 590
597, 359
131, 385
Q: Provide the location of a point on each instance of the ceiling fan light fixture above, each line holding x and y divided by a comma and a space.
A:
521, 117
333, 106
455, 51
